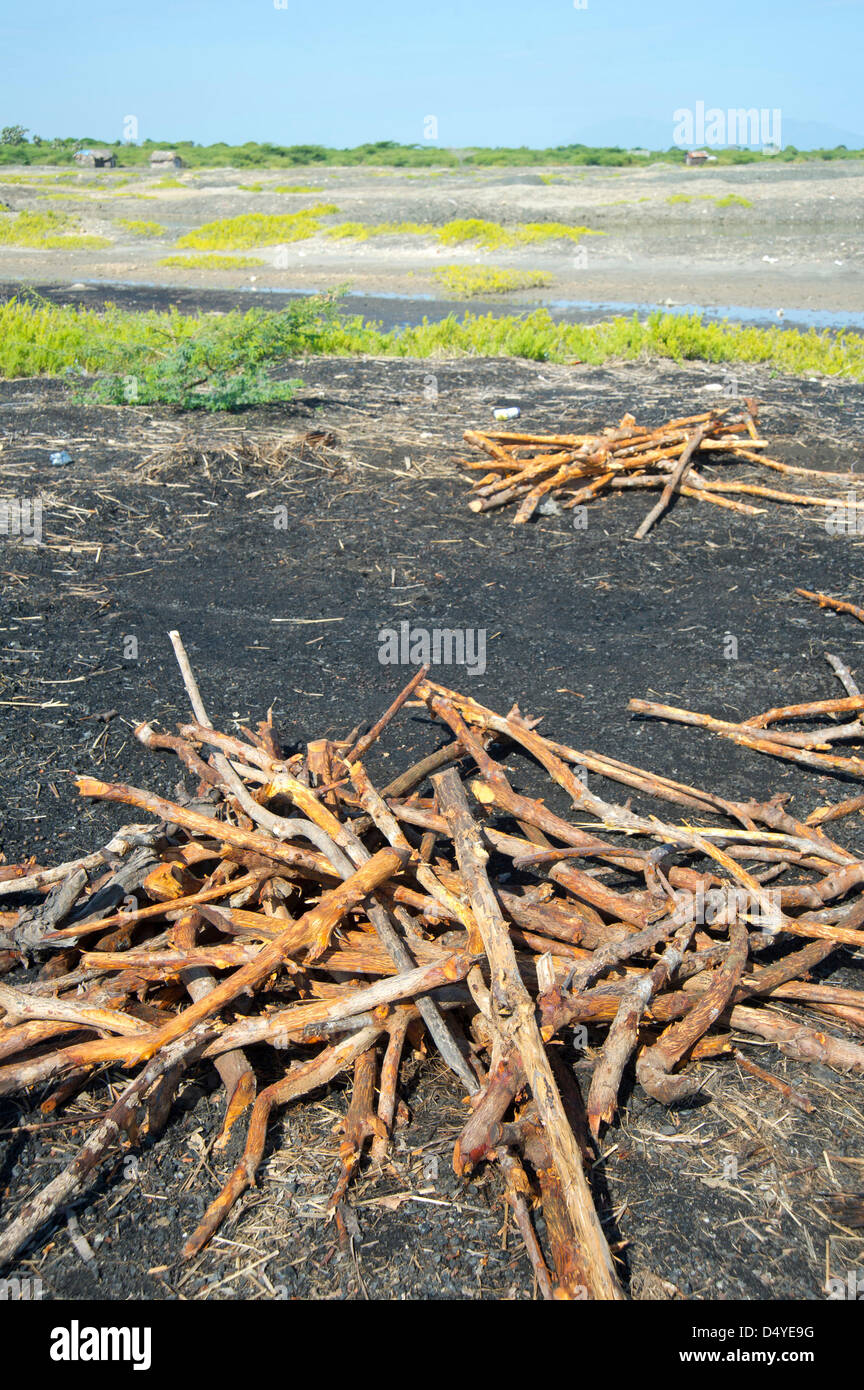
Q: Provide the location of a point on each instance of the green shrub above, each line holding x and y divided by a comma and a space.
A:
146, 359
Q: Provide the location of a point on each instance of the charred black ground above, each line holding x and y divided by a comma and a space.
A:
164, 521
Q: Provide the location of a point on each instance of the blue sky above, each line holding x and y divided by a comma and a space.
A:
505, 73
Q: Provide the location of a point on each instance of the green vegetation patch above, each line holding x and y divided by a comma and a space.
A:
490, 236
196, 363
257, 229
468, 281
731, 200
359, 231
239, 359
46, 231
130, 224
17, 149
61, 194
279, 188
212, 262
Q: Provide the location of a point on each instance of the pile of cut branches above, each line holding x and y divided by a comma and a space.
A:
570, 470
350, 920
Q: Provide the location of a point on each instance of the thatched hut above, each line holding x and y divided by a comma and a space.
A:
165, 159
96, 159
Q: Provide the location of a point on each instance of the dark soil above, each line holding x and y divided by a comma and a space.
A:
165, 521
390, 311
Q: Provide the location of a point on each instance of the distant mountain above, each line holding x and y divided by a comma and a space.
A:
818, 135
635, 131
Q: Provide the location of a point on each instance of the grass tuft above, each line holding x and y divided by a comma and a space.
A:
130, 224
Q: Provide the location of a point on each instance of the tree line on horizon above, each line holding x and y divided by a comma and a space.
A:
17, 146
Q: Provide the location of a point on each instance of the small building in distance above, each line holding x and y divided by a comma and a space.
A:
96, 159
165, 159
695, 158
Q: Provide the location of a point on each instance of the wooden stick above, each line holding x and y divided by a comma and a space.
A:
674, 482
133, 916
512, 1000
837, 604
795, 1097
302, 1077
62, 1189
118, 845
363, 744
622, 1036
850, 705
